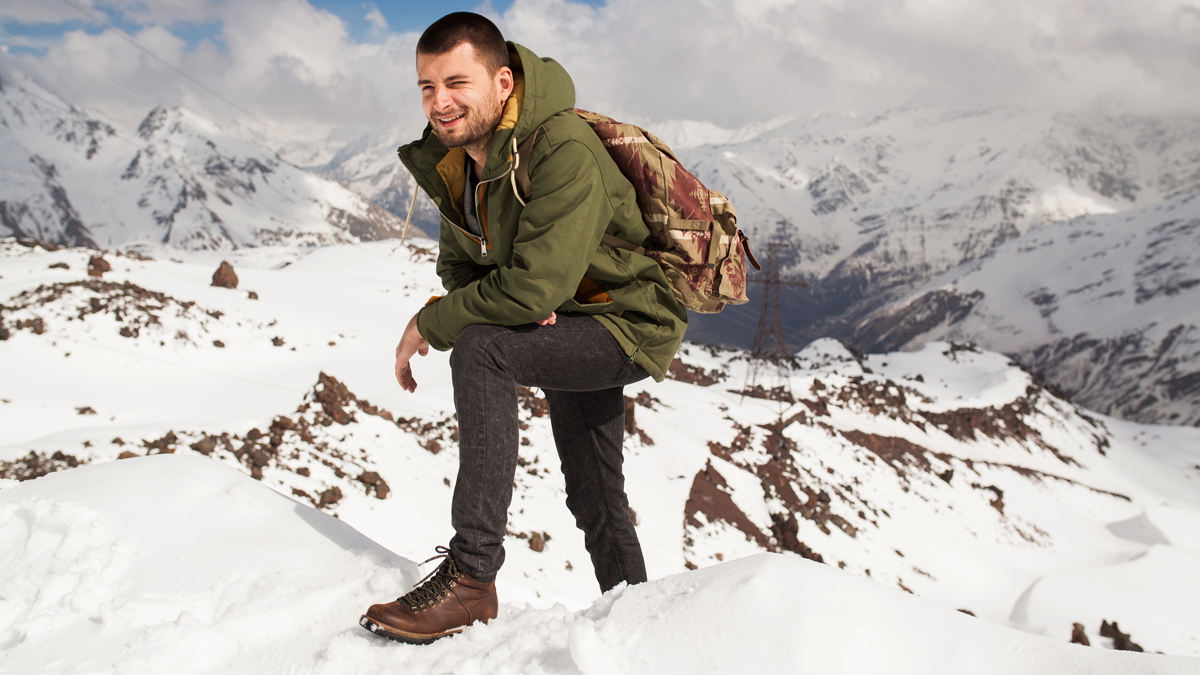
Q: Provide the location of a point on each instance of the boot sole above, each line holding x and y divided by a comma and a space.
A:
398, 635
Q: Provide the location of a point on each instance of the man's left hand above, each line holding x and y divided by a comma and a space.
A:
411, 343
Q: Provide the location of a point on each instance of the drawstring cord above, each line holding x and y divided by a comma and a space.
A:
512, 175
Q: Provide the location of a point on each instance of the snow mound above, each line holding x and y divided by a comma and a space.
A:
176, 564
181, 564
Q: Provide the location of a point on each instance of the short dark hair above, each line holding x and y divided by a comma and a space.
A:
454, 29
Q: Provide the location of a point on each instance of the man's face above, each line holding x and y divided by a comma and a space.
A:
462, 101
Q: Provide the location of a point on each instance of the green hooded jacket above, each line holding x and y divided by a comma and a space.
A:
546, 255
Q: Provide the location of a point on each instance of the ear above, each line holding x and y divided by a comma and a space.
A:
504, 82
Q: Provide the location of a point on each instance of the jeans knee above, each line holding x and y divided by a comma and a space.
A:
469, 345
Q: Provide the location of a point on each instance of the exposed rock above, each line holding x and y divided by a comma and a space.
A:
252, 295
537, 542
1120, 640
36, 465
530, 401
205, 446
710, 498
780, 393
164, 445
1078, 636
631, 427
786, 528
684, 372
127, 454
134, 308
60, 266
277, 341
331, 496
97, 266
85, 410
225, 277
374, 482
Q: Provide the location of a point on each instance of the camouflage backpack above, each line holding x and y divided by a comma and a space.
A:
696, 240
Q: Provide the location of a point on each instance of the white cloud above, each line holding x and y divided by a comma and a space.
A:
287, 62
378, 23
730, 62
734, 62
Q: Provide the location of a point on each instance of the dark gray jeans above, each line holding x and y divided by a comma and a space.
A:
581, 370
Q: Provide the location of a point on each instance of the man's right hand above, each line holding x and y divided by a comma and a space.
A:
548, 321
410, 343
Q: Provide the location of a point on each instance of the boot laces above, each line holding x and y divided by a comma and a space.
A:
436, 585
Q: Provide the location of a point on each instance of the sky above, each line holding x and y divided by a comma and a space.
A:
335, 69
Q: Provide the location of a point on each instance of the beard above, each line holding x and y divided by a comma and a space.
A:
479, 122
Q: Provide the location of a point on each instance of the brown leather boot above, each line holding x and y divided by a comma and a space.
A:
441, 604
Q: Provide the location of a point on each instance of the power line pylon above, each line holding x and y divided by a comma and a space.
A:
770, 350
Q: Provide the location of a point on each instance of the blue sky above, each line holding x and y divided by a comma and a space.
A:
402, 16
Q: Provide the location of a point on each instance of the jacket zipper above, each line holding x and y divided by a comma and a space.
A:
483, 240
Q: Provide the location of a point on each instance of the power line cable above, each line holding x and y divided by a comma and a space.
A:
70, 111
126, 37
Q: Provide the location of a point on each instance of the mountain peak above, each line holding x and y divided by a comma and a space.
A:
153, 121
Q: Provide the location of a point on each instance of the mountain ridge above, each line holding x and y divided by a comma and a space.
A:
74, 178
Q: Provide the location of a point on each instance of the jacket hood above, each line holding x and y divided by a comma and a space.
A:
548, 91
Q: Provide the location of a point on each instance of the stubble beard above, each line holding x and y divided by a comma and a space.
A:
476, 134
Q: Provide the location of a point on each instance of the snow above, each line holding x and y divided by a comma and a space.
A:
1110, 534
175, 564
73, 176
1104, 305
179, 564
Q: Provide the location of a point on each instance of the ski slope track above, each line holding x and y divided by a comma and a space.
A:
276, 482
72, 177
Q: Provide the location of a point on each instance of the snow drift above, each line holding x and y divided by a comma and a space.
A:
180, 564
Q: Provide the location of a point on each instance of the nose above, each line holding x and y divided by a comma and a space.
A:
441, 98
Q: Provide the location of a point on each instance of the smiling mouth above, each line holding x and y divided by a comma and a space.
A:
448, 120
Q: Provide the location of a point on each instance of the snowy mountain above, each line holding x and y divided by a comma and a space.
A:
866, 208
369, 166
949, 472
873, 213
1105, 306
94, 580
72, 177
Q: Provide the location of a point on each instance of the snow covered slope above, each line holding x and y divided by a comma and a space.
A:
948, 472
869, 206
369, 166
69, 176
1106, 306
179, 564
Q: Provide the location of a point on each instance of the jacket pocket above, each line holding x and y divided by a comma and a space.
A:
571, 305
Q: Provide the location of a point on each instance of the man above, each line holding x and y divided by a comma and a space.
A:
532, 298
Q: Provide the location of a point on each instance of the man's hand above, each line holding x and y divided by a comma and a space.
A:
410, 343
548, 321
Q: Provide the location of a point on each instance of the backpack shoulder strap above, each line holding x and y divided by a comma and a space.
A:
523, 188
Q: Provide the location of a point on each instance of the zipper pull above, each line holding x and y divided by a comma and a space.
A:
634, 355
482, 247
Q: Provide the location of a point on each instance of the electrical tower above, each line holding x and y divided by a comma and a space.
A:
770, 352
